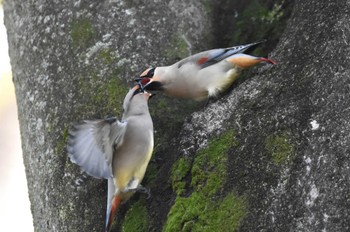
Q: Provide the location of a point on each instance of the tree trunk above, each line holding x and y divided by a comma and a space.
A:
288, 166
271, 155
71, 60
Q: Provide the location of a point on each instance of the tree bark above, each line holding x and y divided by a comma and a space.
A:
291, 123
71, 60
274, 150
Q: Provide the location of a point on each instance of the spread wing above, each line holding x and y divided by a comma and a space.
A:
91, 145
207, 58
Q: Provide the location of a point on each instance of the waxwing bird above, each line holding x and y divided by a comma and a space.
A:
202, 75
116, 150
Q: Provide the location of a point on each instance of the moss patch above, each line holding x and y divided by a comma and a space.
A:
61, 145
200, 213
179, 171
210, 166
107, 55
150, 175
280, 148
178, 48
81, 32
257, 13
107, 94
136, 219
203, 210
260, 20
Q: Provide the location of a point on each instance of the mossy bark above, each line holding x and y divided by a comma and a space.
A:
291, 122
75, 60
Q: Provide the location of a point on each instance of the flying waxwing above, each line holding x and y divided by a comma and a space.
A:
202, 75
116, 150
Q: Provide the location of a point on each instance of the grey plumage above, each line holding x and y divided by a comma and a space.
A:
202, 75
116, 150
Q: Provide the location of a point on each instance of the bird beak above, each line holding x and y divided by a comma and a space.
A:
136, 87
138, 80
267, 60
153, 85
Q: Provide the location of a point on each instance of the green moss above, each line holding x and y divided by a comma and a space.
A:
226, 215
273, 15
208, 6
136, 219
260, 20
200, 211
81, 32
105, 95
209, 167
62, 143
252, 13
280, 148
64, 210
107, 56
150, 175
179, 171
116, 90
178, 48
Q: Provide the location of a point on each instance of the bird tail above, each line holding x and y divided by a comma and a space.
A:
112, 212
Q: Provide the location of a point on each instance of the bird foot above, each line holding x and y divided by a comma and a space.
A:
111, 119
142, 189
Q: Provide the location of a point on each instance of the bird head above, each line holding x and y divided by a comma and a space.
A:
136, 94
139, 91
245, 61
148, 80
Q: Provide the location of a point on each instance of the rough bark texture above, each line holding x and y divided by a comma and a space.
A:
71, 60
271, 155
292, 124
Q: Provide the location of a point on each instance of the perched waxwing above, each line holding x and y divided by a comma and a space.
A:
203, 75
116, 150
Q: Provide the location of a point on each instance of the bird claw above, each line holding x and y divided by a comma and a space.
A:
111, 119
145, 190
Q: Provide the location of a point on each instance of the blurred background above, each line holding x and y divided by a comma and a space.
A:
15, 212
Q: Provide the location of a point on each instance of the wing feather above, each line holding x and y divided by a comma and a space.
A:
91, 145
210, 57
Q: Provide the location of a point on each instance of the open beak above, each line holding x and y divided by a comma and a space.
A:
153, 85
138, 80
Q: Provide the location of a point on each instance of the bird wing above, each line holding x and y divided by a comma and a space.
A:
210, 57
91, 145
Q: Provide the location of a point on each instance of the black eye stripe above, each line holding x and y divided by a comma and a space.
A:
150, 73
